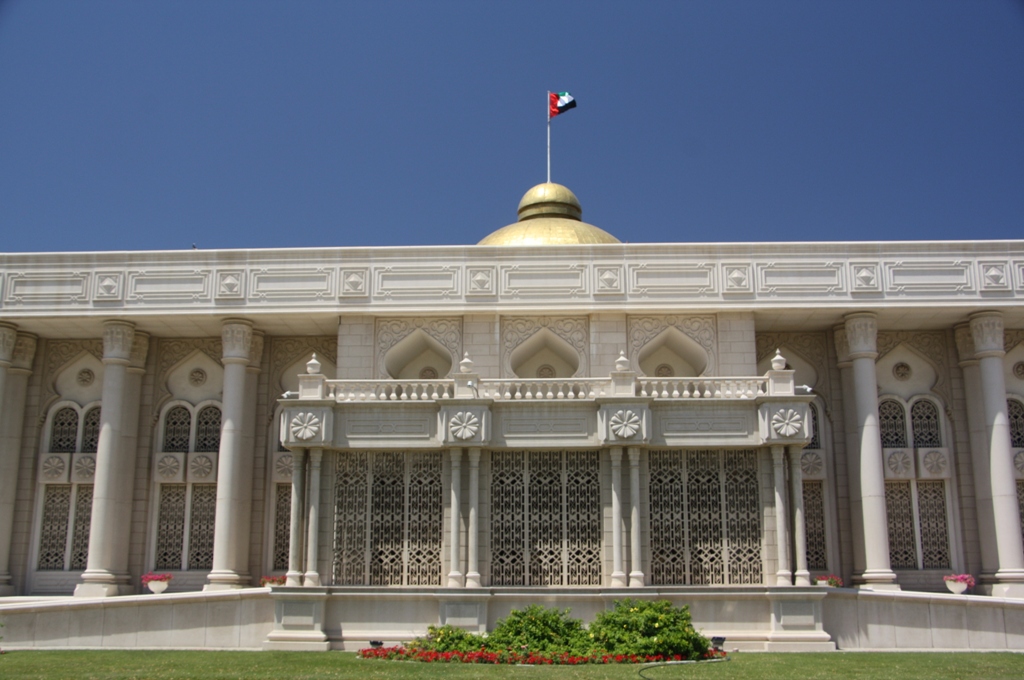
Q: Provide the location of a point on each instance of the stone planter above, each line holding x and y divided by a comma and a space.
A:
956, 587
158, 587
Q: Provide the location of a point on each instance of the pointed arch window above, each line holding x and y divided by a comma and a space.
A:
892, 422
924, 420
64, 431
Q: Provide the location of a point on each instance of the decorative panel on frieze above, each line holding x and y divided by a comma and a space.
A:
690, 279
291, 284
783, 279
693, 424
420, 282
34, 288
164, 285
929, 276
556, 280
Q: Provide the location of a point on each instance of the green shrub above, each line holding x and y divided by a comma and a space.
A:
538, 629
447, 639
647, 628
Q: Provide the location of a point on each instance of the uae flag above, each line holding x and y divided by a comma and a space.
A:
560, 102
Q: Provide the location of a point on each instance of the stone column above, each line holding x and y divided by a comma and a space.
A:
801, 575
16, 355
472, 526
861, 334
979, 452
106, 569
294, 576
636, 574
234, 465
312, 576
618, 575
783, 576
987, 333
454, 575
851, 446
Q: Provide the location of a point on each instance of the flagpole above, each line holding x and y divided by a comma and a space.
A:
549, 135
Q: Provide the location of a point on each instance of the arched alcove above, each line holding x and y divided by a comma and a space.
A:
544, 355
905, 373
413, 354
81, 380
196, 378
671, 350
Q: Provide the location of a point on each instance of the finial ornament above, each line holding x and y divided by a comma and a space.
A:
466, 365
313, 366
778, 361
622, 363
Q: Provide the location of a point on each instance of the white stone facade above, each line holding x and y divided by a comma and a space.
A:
460, 429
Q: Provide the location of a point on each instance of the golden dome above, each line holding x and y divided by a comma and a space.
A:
549, 214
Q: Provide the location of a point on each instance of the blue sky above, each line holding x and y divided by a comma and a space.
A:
154, 125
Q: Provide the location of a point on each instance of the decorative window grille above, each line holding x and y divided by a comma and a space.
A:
64, 431
200, 531
91, 430
1016, 413
814, 522
892, 422
80, 533
53, 538
545, 518
899, 509
282, 525
185, 517
400, 498
815, 435
171, 526
924, 419
931, 506
208, 430
705, 515
177, 429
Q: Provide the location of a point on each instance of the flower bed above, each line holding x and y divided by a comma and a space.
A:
634, 631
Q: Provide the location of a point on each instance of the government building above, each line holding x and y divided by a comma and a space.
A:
421, 435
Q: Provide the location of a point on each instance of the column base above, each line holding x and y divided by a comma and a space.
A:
783, 577
636, 579
802, 578
101, 583
227, 580
293, 579
473, 580
455, 580
311, 579
1009, 583
619, 579
877, 580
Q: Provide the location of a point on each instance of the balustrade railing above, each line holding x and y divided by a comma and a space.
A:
571, 388
390, 390
701, 388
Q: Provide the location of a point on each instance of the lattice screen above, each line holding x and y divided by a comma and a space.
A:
931, 506
170, 531
80, 530
559, 493
705, 518
53, 536
1015, 410
64, 431
177, 429
282, 525
91, 430
404, 510
892, 421
816, 434
208, 430
200, 527
924, 420
814, 523
900, 512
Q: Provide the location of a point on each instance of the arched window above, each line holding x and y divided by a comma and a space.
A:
185, 470
1016, 412
815, 436
892, 422
924, 419
68, 468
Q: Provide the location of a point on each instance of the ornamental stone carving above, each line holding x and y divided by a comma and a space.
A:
8, 339
168, 466
1018, 370
964, 342
787, 422
236, 339
201, 467
24, 351
575, 330
899, 464
464, 425
85, 467
85, 377
902, 371
1018, 462
53, 467
811, 464
842, 346
861, 335
934, 462
140, 350
284, 465
987, 333
625, 424
118, 340
390, 332
197, 377
256, 349
701, 329
305, 426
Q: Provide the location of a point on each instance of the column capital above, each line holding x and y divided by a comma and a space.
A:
24, 351
8, 338
256, 350
842, 347
236, 337
861, 335
987, 333
965, 343
118, 340
140, 350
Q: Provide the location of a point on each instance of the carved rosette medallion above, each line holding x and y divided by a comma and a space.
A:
283, 466
168, 467
934, 462
902, 371
464, 425
201, 467
85, 467
1018, 370
811, 463
53, 467
1018, 462
787, 422
305, 426
85, 377
899, 463
197, 377
625, 424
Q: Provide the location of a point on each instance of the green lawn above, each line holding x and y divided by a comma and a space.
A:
126, 665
